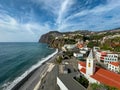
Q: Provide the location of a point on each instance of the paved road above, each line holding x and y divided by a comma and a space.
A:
34, 79
50, 81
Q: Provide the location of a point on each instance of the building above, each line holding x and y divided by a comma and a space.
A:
106, 57
78, 55
83, 51
100, 55
110, 57
114, 66
68, 47
90, 65
95, 49
80, 46
66, 82
98, 75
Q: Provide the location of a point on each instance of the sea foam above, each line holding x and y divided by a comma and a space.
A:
9, 86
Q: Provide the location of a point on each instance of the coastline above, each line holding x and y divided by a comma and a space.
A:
16, 84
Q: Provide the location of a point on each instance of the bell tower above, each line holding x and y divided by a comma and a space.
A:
90, 68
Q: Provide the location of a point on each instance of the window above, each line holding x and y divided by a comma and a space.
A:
88, 64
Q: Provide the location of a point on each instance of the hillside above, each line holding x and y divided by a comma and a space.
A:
109, 38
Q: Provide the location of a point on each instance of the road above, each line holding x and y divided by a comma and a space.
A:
50, 81
34, 79
31, 83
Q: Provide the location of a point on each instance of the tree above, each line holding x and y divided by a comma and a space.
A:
59, 59
96, 86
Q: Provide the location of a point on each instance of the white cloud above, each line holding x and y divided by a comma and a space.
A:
50, 5
12, 29
59, 8
95, 15
111, 4
63, 10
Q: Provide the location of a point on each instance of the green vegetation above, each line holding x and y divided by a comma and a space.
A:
82, 80
101, 39
85, 38
106, 46
96, 37
96, 86
112, 44
69, 41
59, 59
91, 44
68, 53
78, 37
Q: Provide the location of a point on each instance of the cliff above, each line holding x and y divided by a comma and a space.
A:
57, 39
48, 37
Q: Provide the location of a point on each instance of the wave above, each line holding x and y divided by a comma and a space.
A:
9, 86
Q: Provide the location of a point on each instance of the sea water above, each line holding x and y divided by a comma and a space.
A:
19, 59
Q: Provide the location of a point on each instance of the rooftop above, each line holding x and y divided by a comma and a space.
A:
70, 83
83, 70
105, 76
115, 63
82, 64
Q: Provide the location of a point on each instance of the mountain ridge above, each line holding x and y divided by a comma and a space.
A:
57, 39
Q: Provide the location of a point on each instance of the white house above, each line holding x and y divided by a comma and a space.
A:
83, 51
106, 57
78, 55
111, 57
114, 66
100, 55
96, 49
69, 46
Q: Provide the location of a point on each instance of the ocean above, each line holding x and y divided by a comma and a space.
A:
19, 59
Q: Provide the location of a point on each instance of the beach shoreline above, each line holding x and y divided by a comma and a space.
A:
27, 77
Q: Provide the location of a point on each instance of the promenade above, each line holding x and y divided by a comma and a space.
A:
34, 81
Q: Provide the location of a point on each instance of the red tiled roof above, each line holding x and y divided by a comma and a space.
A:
103, 53
107, 77
79, 45
102, 58
83, 70
115, 63
82, 64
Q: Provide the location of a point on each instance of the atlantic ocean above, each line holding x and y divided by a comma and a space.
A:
19, 59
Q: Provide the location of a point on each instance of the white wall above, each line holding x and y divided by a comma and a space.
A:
90, 79
113, 68
79, 66
90, 70
77, 55
98, 55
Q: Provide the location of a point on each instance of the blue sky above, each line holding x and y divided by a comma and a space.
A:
27, 20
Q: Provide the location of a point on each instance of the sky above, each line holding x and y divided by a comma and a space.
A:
27, 20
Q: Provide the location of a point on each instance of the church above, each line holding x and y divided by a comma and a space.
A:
96, 74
